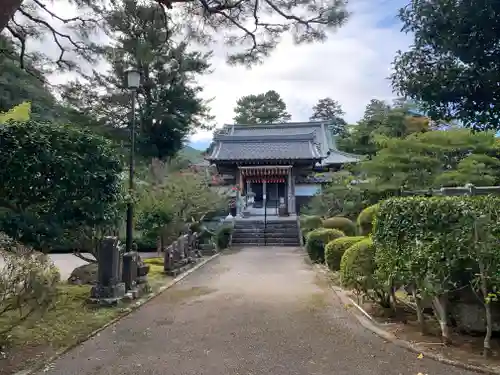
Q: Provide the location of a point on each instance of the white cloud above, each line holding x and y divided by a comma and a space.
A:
352, 67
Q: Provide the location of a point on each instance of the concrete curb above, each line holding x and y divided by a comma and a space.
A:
127, 312
369, 323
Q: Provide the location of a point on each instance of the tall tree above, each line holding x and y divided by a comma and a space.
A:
243, 23
263, 108
453, 66
382, 119
434, 159
330, 110
170, 107
18, 86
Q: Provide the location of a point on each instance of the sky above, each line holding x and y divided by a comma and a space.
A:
351, 67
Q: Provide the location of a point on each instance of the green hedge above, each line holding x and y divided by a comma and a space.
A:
357, 266
310, 222
365, 219
316, 241
335, 249
340, 223
432, 241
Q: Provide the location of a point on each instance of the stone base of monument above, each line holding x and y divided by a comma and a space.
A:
107, 295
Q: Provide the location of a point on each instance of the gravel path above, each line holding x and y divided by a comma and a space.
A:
257, 311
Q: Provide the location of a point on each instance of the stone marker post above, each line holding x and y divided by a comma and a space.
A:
110, 288
129, 276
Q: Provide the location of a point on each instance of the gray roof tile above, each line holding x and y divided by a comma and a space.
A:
303, 140
271, 147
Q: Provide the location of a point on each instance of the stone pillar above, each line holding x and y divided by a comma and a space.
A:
264, 193
110, 288
129, 276
291, 192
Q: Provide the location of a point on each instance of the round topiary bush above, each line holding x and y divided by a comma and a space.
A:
341, 223
365, 219
316, 241
336, 248
310, 222
358, 265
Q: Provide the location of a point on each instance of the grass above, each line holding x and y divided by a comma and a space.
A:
68, 321
69, 318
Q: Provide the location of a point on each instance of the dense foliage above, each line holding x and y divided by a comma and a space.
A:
55, 180
335, 249
453, 65
438, 245
365, 219
171, 107
28, 288
163, 210
245, 23
316, 241
341, 223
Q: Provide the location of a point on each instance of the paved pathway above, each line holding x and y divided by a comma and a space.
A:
258, 311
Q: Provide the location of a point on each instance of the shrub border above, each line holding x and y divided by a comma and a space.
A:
135, 306
367, 321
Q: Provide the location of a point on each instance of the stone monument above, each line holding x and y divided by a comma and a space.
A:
109, 288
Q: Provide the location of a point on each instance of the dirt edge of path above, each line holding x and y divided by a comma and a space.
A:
372, 325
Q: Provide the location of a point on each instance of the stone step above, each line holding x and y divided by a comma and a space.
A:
267, 233
258, 243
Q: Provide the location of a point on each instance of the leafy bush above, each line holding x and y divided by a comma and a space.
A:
341, 223
83, 191
365, 219
429, 240
316, 241
182, 200
310, 222
28, 287
439, 244
335, 249
357, 267
223, 236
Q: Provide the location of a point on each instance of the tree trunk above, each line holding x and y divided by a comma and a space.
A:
487, 309
420, 311
7, 10
440, 310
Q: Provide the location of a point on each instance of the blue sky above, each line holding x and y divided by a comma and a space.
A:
352, 67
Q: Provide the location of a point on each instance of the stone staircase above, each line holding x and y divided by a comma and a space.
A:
274, 232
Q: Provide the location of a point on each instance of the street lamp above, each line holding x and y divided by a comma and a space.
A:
133, 83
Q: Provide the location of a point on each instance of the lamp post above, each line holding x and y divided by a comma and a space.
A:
133, 82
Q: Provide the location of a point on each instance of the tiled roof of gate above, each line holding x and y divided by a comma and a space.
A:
273, 147
279, 141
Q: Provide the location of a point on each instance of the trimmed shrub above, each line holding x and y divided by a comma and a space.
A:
313, 222
316, 241
223, 237
336, 248
308, 224
341, 223
357, 266
439, 244
365, 219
